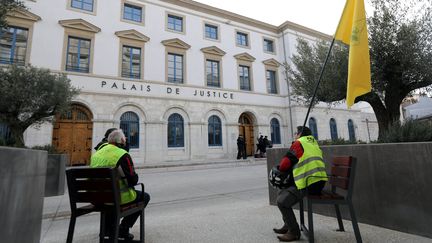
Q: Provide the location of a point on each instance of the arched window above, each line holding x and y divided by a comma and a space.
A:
214, 131
333, 129
313, 127
351, 131
129, 123
175, 131
275, 131
5, 134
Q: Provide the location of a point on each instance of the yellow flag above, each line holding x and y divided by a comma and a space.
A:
352, 30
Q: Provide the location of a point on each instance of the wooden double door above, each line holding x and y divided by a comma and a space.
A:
72, 134
246, 129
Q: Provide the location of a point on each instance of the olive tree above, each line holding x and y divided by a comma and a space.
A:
31, 96
400, 41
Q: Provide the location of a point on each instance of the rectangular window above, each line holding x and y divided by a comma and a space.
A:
211, 32
78, 55
175, 23
244, 77
268, 45
175, 68
13, 45
212, 73
86, 5
271, 82
242, 39
133, 13
131, 62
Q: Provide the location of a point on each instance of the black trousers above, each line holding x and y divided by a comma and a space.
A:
241, 152
290, 196
129, 220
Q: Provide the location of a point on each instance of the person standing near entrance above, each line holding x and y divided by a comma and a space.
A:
104, 141
265, 144
260, 146
305, 163
241, 147
114, 155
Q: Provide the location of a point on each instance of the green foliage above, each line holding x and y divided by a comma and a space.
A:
6, 142
339, 141
49, 148
400, 40
31, 96
410, 131
308, 64
7, 6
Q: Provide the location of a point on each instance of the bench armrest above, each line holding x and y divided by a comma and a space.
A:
142, 186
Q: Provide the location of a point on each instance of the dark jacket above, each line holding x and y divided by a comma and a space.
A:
125, 162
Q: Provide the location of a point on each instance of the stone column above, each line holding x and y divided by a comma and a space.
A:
155, 143
198, 140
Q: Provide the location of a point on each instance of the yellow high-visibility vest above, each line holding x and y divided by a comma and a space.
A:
310, 167
108, 156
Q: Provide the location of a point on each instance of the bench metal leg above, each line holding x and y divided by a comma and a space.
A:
142, 227
71, 228
301, 213
117, 226
102, 228
310, 223
354, 223
339, 218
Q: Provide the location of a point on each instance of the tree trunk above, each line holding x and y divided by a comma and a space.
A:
381, 114
17, 134
386, 114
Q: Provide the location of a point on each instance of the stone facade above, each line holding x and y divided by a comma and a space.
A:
107, 94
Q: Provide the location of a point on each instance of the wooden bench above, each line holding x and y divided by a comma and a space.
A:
99, 190
342, 177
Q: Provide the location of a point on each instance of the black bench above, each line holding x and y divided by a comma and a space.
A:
99, 189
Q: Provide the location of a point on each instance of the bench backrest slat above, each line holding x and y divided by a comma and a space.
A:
93, 185
340, 171
95, 197
342, 161
342, 183
102, 184
343, 173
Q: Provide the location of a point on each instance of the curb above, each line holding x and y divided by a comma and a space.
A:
202, 163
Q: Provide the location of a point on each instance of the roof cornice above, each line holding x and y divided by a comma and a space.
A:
223, 14
204, 8
305, 30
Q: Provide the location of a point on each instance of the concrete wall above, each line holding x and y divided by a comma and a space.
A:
391, 185
22, 184
55, 175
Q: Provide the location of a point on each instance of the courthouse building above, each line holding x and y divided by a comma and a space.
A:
181, 78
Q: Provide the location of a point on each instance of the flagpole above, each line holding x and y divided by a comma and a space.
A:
319, 81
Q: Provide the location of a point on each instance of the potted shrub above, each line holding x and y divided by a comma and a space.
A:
55, 171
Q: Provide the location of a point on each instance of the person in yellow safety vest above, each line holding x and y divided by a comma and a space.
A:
104, 141
113, 155
308, 175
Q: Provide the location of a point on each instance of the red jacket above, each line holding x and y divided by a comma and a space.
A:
286, 164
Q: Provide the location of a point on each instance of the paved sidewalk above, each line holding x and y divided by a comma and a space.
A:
223, 219
59, 206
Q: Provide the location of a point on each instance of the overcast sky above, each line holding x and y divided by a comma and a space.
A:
321, 15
